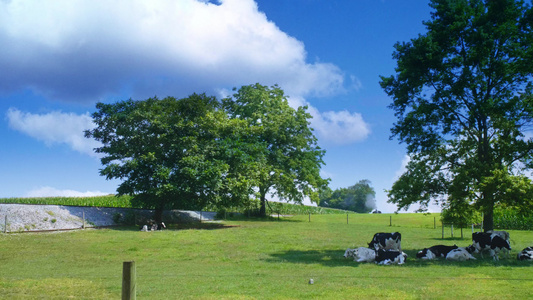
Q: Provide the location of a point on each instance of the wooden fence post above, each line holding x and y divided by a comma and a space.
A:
83, 213
434, 223
309, 217
346, 218
390, 221
129, 281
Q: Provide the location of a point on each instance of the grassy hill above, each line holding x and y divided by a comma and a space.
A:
254, 259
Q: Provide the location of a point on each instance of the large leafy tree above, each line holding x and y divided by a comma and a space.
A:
173, 153
359, 197
463, 100
289, 158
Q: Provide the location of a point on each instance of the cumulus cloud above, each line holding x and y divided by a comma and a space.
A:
55, 128
47, 191
403, 167
83, 50
339, 128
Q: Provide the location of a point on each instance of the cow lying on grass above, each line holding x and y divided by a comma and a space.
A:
361, 254
380, 256
459, 254
389, 257
486, 241
153, 226
436, 251
526, 254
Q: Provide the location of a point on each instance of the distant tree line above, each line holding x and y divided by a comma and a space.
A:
359, 197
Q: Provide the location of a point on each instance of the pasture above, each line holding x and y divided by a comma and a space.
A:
255, 259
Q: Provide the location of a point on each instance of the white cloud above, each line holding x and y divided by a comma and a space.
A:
55, 128
47, 191
83, 50
340, 128
403, 167
87, 50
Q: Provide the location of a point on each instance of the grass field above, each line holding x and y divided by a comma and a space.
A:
254, 259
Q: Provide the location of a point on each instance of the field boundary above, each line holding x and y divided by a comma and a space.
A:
41, 218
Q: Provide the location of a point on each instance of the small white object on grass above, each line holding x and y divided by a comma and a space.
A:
311, 281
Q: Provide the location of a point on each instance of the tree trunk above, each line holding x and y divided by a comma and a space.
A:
488, 218
158, 215
262, 209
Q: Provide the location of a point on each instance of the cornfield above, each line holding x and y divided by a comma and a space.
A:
509, 218
99, 201
125, 202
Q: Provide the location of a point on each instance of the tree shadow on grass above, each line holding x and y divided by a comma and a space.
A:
453, 239
182, 226
335, 258
201, 226
329, 258
287, 219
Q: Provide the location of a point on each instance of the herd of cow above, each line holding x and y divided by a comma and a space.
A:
385, 249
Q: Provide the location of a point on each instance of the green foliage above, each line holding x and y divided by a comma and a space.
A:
463, 98
197, 152
298, 209
359, 197
287, 155
460, 213
174, 154
512, 218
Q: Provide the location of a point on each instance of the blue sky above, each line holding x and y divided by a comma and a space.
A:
58, 58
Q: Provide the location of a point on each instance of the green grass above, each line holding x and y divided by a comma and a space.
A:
254, 259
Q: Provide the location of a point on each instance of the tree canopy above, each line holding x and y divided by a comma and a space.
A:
462, 95
359, 197
289, 157
173, 153
197, 151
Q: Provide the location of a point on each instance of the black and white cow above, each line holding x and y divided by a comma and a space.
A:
435, 251
153, 226
388, 257
485, 241
459, 254
504, 235
158, 226
361, 254
526, 254
387, 241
